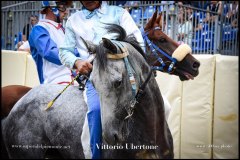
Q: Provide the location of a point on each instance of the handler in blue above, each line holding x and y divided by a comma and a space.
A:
44, 41
88, 23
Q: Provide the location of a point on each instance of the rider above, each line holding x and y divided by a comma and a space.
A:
88, 24
45, 39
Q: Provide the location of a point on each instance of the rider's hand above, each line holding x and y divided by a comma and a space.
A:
83, 66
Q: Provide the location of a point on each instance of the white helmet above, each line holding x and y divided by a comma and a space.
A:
53, 6
49, 4
55, 3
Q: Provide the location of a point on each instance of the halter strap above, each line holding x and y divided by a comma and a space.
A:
154, 50
137, 93
117, 56
128, 66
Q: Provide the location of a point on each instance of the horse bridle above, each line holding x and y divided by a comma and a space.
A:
136, 92
154, 48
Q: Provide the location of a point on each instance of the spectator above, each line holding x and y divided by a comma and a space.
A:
234, 22
28, 28
120, 3
185, 28
214, 6
180, 7
184, 5
24, 47
129, 5
232, 14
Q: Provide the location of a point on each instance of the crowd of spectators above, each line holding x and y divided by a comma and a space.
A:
193, 17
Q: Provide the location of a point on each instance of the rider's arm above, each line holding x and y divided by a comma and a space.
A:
130, 27
66, 51
44, 45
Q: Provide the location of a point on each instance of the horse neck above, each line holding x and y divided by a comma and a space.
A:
150, 121
151, 110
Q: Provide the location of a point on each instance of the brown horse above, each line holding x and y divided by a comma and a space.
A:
159, 46
10, 95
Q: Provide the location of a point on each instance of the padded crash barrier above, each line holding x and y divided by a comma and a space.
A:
204, 112
18, 68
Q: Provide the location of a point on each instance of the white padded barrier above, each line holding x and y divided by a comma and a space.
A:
32, 79
226, 118
197, 110
204, 115
13, 67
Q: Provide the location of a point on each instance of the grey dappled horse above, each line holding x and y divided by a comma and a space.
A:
136, 130
30, 126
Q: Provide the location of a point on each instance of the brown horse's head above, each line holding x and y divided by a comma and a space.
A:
185, 65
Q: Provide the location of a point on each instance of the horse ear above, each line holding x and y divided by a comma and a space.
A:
90, 46
109, 45
154, 17
159, 18
152, 20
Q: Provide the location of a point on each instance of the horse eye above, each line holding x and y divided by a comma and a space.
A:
117, 83
161, 39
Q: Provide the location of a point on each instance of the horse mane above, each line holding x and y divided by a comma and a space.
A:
121, 35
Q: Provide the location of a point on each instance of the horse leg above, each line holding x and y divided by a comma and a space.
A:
10, 95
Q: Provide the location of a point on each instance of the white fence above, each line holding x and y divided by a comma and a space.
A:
204, 114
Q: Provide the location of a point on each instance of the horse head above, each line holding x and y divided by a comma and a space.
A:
133, 123
166, 55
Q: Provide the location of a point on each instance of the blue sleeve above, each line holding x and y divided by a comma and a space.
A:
44, 45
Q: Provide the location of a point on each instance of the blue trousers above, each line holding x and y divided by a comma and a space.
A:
94, 120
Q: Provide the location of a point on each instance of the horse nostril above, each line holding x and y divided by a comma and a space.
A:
196, 65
